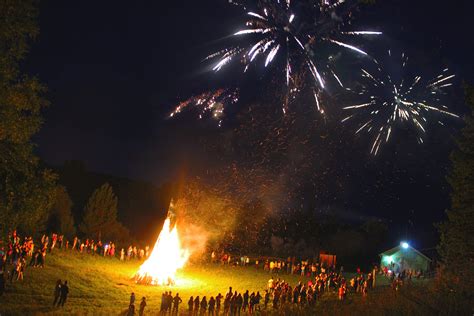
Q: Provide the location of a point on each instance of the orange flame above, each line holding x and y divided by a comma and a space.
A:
166, 258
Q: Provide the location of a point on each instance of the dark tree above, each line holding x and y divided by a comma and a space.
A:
100, 216
457, 233
61, 219
26, 189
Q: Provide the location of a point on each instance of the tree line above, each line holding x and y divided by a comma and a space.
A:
32, 201
99, 221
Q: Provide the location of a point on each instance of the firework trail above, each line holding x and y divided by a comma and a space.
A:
297, 31
211, 103
388, 102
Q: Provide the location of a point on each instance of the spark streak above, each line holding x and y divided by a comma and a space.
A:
394, 102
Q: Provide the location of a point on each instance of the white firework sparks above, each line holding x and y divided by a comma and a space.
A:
295, 32
213, 103
389, 102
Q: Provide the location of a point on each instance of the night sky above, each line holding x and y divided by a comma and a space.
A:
115, 69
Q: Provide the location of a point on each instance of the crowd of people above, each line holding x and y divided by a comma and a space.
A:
17, 253
279, 294
233, 304
108, 249
16, 250
273, 265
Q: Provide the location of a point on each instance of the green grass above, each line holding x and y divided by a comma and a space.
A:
102, 286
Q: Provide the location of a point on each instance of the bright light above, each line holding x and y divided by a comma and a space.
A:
388, 259
165, 259
404, 244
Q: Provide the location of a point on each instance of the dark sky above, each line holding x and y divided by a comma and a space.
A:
114, 69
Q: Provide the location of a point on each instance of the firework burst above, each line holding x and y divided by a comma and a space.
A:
212, 103
388, 102
296, 31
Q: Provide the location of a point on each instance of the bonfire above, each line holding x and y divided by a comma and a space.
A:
166, 258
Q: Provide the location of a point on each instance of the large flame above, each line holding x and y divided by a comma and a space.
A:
166, 258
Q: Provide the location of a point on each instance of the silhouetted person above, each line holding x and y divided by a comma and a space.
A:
64, 294
57, 292
203, 305
176, 301
238, 302
132, 299
246, 300
169, 302
163, 301
212, 305
142, 306
218, 303
196, 304
191, 305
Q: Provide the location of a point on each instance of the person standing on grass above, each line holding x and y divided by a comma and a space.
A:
74, 243
64, 294
57, 292
239, 302
258, 297
251, 302
246, 300
271, 284
176, 301
212, 306
191, 305
169, 302
132, 298
266, 299
227, 304
163, 301
203, 306
276, 299
218, 303
364, 288
21, 268
233, 304
196, 305
41, 257
142, 306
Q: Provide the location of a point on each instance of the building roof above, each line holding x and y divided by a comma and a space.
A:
398, 248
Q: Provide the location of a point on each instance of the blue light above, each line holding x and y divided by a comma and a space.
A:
404, 244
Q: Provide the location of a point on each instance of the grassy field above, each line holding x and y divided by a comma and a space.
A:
102, 286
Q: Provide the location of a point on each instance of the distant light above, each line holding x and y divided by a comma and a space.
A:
404, 244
